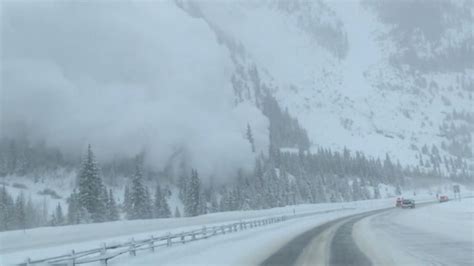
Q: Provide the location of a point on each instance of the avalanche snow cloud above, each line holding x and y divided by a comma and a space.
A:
124, 76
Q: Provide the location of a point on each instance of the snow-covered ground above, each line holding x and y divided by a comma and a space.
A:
16, 246
247, 247
438, 234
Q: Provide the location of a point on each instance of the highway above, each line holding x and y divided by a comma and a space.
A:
329, 244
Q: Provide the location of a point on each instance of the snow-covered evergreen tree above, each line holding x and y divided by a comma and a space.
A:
58, 215
91, 187
193, 201
203, 208
126, 205
20, 211
7, 208
74, 212
112, 209
140, 203
104, 198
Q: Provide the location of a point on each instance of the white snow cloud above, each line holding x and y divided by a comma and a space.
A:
124, 76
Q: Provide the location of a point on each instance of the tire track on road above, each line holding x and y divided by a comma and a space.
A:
315, 247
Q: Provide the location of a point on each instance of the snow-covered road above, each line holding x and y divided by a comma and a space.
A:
327, 244
431, 234
438, 234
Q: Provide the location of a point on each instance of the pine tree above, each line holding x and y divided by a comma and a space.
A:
104, 198
20, 211
202, 202
126, 206
140, 205
161, 208
148, 205
7, 207
112, 210
91, 187
74, 208
59, 215
192, 203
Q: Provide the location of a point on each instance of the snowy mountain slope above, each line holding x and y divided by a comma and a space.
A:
356, 92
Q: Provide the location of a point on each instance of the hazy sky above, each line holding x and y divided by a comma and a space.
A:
124, 77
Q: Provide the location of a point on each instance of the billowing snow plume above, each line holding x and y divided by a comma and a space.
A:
123, 76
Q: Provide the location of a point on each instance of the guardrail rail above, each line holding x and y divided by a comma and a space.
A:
105, 252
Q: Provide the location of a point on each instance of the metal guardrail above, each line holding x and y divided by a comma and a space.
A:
107, 252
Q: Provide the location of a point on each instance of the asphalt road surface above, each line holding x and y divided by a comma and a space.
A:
330, 244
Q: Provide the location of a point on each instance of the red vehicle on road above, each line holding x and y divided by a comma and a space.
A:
443, 198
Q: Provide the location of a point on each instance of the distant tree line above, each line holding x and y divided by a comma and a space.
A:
21, 213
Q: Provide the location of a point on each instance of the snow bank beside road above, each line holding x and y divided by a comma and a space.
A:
15, 246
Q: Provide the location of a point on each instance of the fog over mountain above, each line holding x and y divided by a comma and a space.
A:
184, 78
